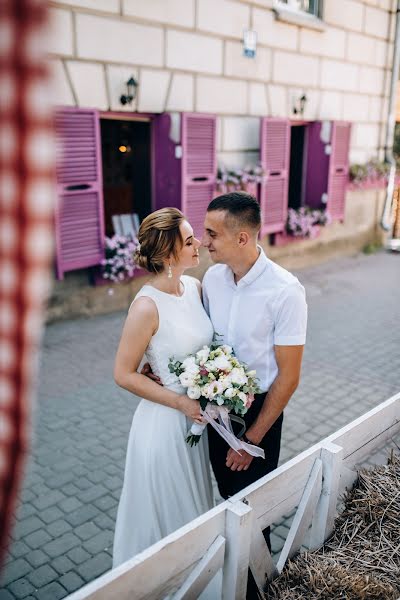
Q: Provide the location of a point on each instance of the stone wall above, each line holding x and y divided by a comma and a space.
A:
187, 56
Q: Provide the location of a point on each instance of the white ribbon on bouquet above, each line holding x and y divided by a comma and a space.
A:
224, 428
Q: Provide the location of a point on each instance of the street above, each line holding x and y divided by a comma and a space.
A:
64, 531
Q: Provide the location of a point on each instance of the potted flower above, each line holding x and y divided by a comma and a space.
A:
305, 222
247, 179
370, 173
118, 264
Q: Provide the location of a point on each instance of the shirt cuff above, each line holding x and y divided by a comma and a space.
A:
290, 340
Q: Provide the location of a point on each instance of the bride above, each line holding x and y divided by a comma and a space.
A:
167, 483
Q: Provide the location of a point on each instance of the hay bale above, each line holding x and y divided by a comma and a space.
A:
361, 560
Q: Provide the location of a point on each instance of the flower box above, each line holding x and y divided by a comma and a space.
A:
283, 238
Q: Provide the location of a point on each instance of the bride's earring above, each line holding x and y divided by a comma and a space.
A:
169, 272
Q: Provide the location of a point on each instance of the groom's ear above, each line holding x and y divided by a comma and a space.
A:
243, 238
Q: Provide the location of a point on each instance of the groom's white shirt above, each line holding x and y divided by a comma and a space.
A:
266, 308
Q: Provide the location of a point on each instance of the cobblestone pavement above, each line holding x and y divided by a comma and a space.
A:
64, 528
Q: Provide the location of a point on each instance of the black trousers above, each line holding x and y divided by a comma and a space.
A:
230, 482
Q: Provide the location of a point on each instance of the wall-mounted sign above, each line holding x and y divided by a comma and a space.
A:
249, 43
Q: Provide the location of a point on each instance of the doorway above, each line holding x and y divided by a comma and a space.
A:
296, 173
126, 156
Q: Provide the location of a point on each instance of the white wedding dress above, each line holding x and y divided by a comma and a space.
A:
167, 483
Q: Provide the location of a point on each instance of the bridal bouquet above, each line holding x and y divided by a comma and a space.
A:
222, 384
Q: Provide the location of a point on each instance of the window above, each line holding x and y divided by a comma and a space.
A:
314, 7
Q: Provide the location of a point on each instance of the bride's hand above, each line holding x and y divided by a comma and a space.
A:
191, 408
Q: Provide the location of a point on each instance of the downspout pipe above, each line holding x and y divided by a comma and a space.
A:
389, 141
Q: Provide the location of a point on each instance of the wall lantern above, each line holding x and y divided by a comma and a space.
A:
131, 86
299, 105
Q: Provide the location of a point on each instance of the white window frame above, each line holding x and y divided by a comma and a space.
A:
292, 12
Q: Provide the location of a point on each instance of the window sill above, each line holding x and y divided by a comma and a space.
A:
297, 17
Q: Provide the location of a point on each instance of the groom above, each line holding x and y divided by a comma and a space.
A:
260, 310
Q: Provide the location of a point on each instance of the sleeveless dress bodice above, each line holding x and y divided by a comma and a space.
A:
184, 327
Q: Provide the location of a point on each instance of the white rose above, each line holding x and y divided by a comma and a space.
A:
203, 355
238, 376
189, 364
194, 392
243, 397
222, 363
230, 392
251, 373
210, 365
186, 379
227, 349
220, 400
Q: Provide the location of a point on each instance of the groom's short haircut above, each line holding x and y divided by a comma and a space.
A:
241, 207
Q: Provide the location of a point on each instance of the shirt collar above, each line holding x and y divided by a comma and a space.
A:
256, 270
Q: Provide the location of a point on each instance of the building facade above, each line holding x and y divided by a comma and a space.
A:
312, 100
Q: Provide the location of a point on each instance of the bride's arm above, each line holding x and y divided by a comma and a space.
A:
140, 325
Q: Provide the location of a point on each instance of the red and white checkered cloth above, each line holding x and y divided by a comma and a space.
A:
26, 231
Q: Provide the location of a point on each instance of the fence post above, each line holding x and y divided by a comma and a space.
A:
322, 525
238, 526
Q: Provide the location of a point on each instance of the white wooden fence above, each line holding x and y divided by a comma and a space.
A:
230, 535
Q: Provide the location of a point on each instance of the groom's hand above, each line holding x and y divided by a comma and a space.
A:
149, 373
238, 461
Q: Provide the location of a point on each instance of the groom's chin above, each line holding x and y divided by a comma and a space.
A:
213, 257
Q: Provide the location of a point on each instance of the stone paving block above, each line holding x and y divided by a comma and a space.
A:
61, 545
51, 514
42, 576
37, 539
78, 555
28, 525
52, 591
99, 542
83, 514
104, 521
70, 504
105, 502
26, 510
71, 581
49, 499
58, 527
59, 480
21, 588
19, 549
70, 489
92, 493
94, 566
6, 595
281, 531
37, 558
83, 483
86, 530
62, 564
15, 570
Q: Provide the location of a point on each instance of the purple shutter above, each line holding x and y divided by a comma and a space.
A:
199, 163
166, 167
79, 217
338, 169
275, 159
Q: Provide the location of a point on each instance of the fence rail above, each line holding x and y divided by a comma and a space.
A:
230, 535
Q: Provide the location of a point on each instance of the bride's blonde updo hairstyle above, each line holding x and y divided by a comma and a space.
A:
159, 238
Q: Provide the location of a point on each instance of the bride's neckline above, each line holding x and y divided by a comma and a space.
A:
167, 293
